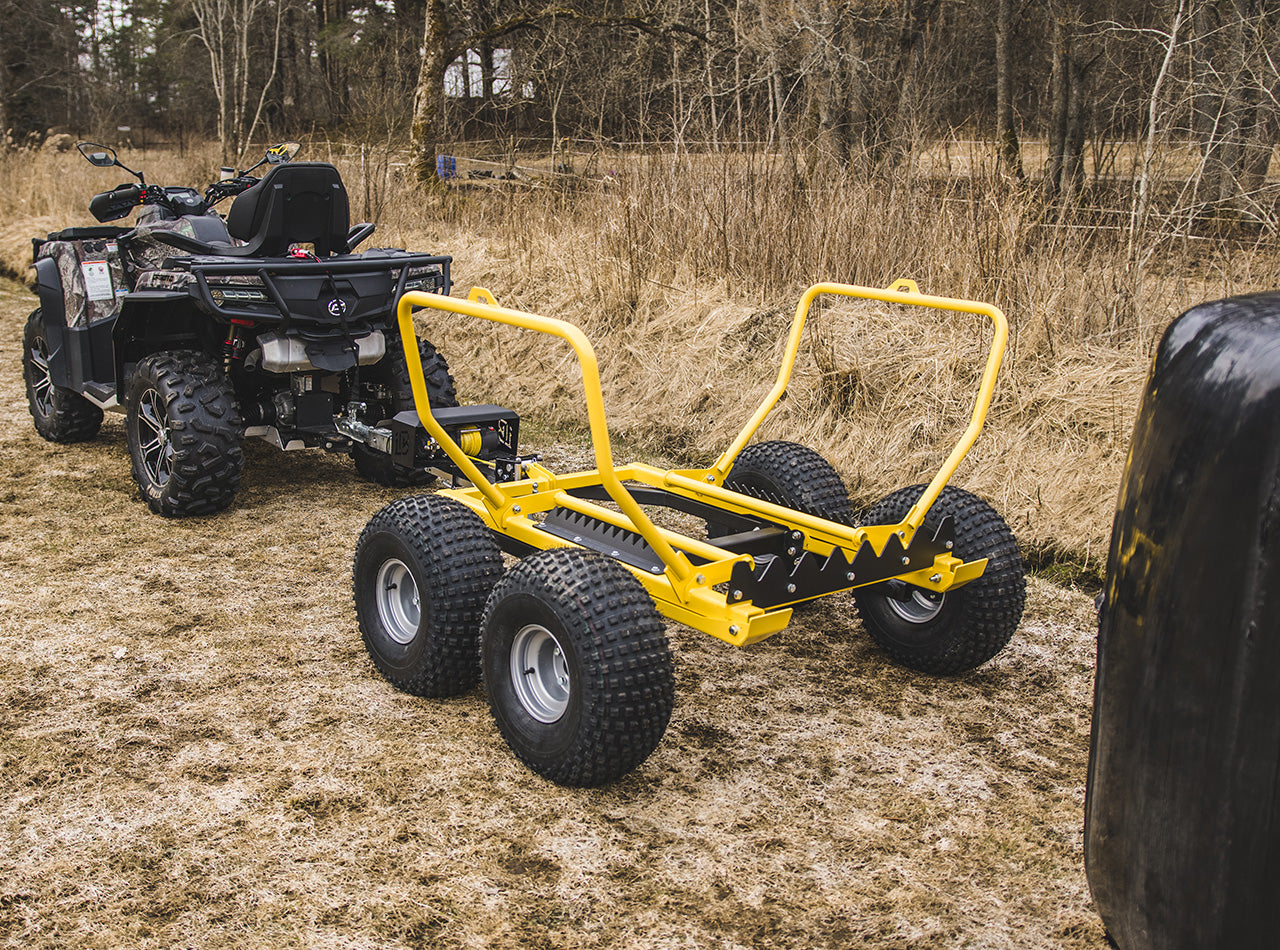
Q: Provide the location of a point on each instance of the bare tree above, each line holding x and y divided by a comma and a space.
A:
1006, 134
226, 29
1234, 113
1139, 221
451, 28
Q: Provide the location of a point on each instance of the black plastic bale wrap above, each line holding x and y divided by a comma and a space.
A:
1182, 809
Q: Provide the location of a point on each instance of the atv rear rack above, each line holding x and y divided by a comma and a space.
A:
738, 587
355, 285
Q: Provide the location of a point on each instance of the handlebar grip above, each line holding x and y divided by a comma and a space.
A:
116, 203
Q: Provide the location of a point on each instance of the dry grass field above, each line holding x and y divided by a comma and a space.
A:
685, 273
196, 752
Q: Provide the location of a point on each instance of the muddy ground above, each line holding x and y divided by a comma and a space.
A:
197, 752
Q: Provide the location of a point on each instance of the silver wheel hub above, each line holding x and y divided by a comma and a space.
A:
539, 673
399, 605
154, 442
41, 381
918, 606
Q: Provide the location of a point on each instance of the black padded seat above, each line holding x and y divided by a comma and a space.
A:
295, 203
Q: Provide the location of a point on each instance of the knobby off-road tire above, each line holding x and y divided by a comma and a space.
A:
392, 372
791, 475
423, 569
577, 667
59, 414
963, 628
184, 432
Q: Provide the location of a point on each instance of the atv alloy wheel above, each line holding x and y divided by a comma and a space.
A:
59, 414
963, 628
423, 568
184, 432
392, 373
577, 667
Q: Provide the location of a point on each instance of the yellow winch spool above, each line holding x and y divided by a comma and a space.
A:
471, 441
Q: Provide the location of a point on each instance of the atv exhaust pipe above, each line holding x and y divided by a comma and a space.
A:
288, 354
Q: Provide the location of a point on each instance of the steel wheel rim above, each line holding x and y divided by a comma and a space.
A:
154, 441
921, 607
399, 604
41, 380
540, 673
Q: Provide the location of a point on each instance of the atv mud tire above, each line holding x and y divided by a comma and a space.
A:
963, 628
791, 475
184, 432
59, 414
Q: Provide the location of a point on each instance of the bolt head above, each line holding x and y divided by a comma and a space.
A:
950, 545
733, 629
791, 588
849, 576
906, 561
737, 595
791, 551
935, 578
516, 509
700, 578
711, 478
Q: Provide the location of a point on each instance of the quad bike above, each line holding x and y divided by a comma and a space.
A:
569, 642
203, 330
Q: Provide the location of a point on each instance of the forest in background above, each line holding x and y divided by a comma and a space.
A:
1101, 86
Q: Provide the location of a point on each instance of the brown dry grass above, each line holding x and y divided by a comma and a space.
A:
196, 752
685, 272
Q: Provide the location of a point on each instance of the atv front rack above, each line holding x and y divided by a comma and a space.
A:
739, 587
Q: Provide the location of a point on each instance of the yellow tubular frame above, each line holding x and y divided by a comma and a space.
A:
683, 592
903, 292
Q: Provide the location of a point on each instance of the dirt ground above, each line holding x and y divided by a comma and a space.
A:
197, 752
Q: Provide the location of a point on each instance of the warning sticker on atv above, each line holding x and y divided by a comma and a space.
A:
97, 280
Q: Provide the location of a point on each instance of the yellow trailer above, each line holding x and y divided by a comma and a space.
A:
569, 642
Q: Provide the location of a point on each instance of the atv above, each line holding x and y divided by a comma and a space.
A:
204, 330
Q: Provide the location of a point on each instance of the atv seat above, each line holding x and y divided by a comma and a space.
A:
295, 203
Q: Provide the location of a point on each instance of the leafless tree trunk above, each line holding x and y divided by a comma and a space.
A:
1006, 134
830, 93
1059, 86
1069, 103
225, 28
428, 99
4, 107
1138, 223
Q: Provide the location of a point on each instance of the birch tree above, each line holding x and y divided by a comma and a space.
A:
226, 29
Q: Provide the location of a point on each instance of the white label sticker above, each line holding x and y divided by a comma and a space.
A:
97, 280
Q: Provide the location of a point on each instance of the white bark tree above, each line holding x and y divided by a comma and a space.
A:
225, 29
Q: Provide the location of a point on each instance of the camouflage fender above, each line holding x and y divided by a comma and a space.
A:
92, 277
